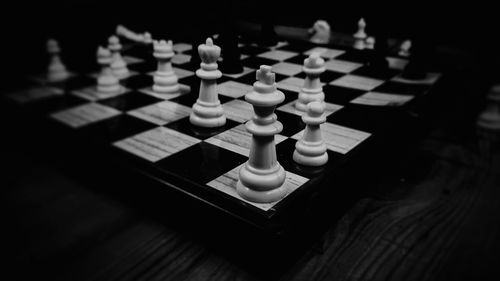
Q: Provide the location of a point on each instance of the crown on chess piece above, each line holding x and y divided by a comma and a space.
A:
163, 49
209, 53
265, 76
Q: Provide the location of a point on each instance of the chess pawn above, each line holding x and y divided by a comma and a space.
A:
312, 90
107, 81
320, 32
490, 117
370, 43
310, 150
208, 111
56, 71
118, 65
360, 35
262, 178
165, 80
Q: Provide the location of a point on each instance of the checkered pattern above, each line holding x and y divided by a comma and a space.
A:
154, 128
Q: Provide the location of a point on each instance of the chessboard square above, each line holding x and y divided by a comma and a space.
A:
355, 56
245, 71
327, 53
325, 77
342, 65
227, 184
55, 103
238, 110
292, 123
182, 73
144, 67
252, 49
374, 72
290, 108
82, 115
132, 60
181, 58
78, 82
44, 80
138, 81
298, 47
357, 82
183, 89
430, 79
156, 144
340, 95
91, 93
382, 99
184, 126
200, 163
129, 101
339, 138
256, 62
298, 59
161, 113
234, 89
115, 128
278, 55
34, 93
190, 99
293, 84
286, 68
238, 140
182, 47
393, 87
397, 63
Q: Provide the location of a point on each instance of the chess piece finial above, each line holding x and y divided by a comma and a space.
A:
209, 54
310, 150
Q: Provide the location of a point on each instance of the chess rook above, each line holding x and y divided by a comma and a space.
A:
56, 70
208, 111
262, 178
312, 90
118, 65
310, 150
490, 117
107, 83
360, 35
165, 80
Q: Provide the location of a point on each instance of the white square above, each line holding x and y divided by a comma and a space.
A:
287, 68
327, 53
132, 60
182, 73
290, 108
246, 70
156, 144
91, 93
161, 113
82, 115
278, 55
182, 47
357, 82
382, 99
227, 184
180, 58
234, 89
293, 84
183, 89
342, 66
397, 63
35, 93
238, 110
338, 138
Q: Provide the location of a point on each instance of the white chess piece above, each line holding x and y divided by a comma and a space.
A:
107, 83
262, 178
165, 79
490, 117
56, 70
118, 65
310, 150
320, 32
370, 42
360, 35
208, 111
312, 90
404, 48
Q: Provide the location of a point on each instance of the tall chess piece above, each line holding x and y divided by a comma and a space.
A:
165, 80
490, 118
312, 90
320, 32
262, 178
118, 65
107, 83
360, 35
207, 111
310, 150
56, 71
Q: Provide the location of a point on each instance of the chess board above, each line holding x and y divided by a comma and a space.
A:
151, 132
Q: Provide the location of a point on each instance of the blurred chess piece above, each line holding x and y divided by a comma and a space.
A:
360, 35
133, 36
404, 48
56, 71
490, 117
320, 32
370, 42
107, 82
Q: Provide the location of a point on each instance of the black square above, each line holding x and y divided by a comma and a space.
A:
299, 59
393, 87
289, 96
129, 101
374, 72
340, 95
78, 82
184, 126
116, 128
190, 98
256, 62
292, 123
144, 67
55, 103
253, 50
138, 81
354, 56
201, 163
193, 82
371, 119
325, 77
298, 47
